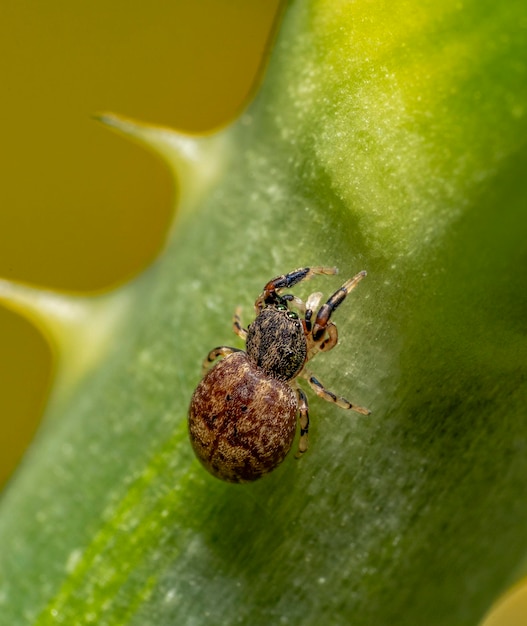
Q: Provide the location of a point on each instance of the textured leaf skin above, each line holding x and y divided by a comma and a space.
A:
389, 137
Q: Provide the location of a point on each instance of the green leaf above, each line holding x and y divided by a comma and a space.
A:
389, 137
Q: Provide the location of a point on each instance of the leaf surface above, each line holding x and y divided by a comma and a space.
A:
389, 137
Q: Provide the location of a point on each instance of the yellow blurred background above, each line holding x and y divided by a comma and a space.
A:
81, 210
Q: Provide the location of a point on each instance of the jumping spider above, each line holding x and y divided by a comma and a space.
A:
242, 417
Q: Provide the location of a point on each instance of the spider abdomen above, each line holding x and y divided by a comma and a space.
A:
242, 422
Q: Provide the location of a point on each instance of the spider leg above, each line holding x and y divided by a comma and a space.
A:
331, 340
216, 353
326, 310
324, 393
270, 293
303, 410
237, 324
325, 343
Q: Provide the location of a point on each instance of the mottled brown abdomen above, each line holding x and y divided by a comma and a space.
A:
241, 422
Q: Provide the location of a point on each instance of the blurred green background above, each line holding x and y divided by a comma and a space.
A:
81, 210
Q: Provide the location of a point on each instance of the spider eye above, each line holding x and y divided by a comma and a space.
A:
281, 307
292, 315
